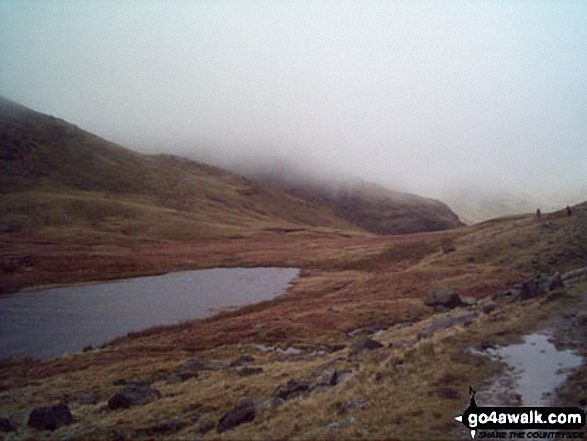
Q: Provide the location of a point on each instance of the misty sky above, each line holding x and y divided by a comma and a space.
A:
420, 95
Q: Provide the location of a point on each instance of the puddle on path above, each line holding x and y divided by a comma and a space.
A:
535, 369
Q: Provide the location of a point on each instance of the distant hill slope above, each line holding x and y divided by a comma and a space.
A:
60, 180
366, 205
477, 204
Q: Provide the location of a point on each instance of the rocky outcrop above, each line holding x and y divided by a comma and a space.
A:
363, 344
292, 389
243, 412
458, 318
50, 417
133, 395
442, 297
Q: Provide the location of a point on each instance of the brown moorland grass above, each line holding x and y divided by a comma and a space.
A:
410, 390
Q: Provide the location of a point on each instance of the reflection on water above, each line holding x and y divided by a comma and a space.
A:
536, 369
52, 322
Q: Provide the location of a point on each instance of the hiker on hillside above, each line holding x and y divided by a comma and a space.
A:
569, 211
538, 213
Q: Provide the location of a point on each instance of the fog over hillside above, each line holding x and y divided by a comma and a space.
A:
477, 104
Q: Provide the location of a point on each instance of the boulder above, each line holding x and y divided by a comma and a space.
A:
442, 297
326, 379
488, 307
132, 396
6, 426
243, 412
556, 281
292, 389
460, 318
249, 370
50, 417
206, 426
468, 301
364, 344
242, 360
532, 287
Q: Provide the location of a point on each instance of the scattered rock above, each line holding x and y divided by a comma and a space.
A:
341, 423
468, 301
458, 318
6, 426
353, 405
50, 417
165, 428
488, 307
327, 379
246, 371
260, 325
343, 375
442, 297
242, 360
133, 395
206, 426
449, 249
414, 312
362, 331
532, 287
271, 403
556, 281
217, 365
88, 400
335, 347
364, 344
243, 412
292, 389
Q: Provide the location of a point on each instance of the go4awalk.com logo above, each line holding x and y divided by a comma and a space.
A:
523, 422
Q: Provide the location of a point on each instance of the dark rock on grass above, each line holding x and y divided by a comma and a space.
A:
6, 426
447, 249
88, 400
468, 301
246, 371
243, 412
364, 344
341, 424
270, 403
459, 318
532, 287
206, 426
132, 396
327, 379
242, 360
292, 389
556, 281
335, 347
442, 297
50, 417
488, 307
166, 428
414, 312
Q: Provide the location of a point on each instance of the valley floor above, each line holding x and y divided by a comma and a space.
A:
330, 386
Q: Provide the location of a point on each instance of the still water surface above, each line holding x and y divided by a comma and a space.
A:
52, 322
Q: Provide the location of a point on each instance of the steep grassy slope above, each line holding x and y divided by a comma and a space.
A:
366, 205
59, 180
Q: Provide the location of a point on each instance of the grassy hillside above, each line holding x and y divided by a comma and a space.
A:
58, 180
366, 205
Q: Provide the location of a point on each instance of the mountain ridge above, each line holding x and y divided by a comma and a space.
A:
54, 175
